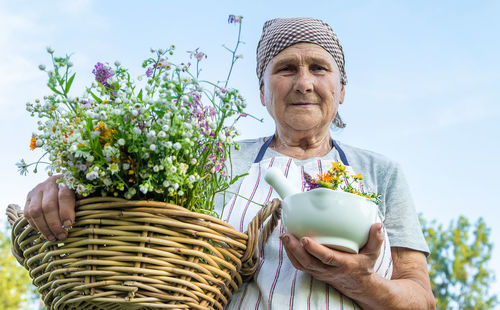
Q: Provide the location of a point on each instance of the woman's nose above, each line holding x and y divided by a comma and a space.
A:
304, 81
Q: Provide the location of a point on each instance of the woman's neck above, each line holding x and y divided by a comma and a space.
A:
302, 146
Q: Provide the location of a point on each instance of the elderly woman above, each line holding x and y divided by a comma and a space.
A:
300, 66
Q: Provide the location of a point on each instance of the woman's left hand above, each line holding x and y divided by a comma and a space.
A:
344, 271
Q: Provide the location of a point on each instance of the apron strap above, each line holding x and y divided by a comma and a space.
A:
264, 147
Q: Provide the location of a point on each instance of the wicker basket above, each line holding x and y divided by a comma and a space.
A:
123, 254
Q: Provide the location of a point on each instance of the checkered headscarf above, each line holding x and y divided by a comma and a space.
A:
280, 33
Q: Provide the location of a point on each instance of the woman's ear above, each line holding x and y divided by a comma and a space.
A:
342, 94
262, 94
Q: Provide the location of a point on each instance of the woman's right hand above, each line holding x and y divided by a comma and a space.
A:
50, 208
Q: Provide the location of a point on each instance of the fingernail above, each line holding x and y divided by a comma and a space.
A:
67, 224
304, 241
61, 236
285, 238
51, 238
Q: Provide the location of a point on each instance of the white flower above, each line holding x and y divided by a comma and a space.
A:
137, 130
168, 144
117, 63
41, 67
183, 168
166, 183
180, 193
156, 168
126, 166
192, 178
92, 175
114, 168
121, 141
134, 112
165, 127
177, 146
176, 186
80, 188
143, 189
107, 181
185, 99
193, 161
152, 147
173, 169
162, 134
50, 50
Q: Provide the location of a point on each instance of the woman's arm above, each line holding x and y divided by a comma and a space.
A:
353, 274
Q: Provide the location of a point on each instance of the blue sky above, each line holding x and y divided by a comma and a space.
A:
423, 80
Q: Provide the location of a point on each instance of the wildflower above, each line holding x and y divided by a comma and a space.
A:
33, 142
113, 168
22, 166
117, 63
177, 146
102, 74
50, 50
233, 19
152, 147
41, 67
149, 72
92, 175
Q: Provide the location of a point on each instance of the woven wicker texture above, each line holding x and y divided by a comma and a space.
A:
123, 254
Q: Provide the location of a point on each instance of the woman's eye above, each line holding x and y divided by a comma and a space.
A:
318, 68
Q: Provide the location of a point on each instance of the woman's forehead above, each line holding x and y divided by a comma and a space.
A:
308, 52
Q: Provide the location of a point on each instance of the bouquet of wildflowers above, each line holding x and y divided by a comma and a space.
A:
339, 177
167, 141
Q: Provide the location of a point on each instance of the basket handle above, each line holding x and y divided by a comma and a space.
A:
255, 241
14, 213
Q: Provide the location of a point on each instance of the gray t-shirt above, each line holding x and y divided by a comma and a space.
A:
380, 175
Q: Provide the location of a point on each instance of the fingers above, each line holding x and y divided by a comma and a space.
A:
298, 255
50, 208
34, 213
66, 198
324, 254
375, 241
47, 208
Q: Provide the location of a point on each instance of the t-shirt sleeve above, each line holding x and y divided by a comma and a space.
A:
401, 221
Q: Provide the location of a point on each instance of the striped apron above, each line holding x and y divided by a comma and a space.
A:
277, 284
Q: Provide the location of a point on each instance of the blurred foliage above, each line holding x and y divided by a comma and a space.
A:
458, 262
15, 283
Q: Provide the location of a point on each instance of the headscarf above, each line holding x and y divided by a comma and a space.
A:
280, 33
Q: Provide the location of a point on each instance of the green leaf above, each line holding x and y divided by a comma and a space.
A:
139, 96
68, 85
55, 90
95, 97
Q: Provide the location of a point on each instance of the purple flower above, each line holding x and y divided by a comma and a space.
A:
233, 19
149, 72
308, 185
102, 74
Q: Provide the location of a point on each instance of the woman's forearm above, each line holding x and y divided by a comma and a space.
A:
379, 293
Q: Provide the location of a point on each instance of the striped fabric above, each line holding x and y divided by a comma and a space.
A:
280, 33
277, 284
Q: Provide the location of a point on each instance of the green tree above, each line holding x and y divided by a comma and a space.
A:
458, 268
16, 291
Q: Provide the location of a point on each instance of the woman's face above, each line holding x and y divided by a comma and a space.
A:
301, 88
